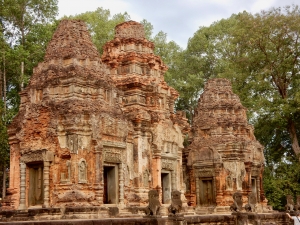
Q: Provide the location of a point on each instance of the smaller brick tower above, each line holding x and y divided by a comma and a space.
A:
224, 157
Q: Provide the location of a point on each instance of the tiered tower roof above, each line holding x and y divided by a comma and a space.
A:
221, 123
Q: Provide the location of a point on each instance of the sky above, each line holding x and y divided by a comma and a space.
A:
180, 19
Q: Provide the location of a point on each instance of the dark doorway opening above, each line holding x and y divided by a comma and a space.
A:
110, 193
36, 185
166, 188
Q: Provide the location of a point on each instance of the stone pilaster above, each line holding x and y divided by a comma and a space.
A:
121, 184
197, 191
173, 180
99, 175
22, 186
46, 185
258, 189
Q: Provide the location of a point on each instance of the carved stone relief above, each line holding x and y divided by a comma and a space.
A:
82, 171
65, 178
112, 155
229, 182
72, 140
146, 178
168, 164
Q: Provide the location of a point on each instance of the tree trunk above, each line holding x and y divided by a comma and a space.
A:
22, 76
3, 97
1, 85
293, 135
4, 182
3, 94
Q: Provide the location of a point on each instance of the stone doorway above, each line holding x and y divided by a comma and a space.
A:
166, 188
36, 185
206, 192
110, 193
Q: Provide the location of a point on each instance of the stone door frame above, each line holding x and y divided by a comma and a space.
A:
114, 155
205, 174
43, 156
116, 173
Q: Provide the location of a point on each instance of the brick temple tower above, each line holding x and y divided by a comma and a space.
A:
70, 122
224, 157
148, 103
89, 134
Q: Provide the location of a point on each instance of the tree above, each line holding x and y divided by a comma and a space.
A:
272, 39
25, 30
203, 59
20, 18
148, 27
4, 148
260, 55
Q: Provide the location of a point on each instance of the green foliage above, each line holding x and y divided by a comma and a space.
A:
4, 148
148, 27
260, 55
280, 180
26, 26
18, 17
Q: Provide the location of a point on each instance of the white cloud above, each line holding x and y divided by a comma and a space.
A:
72, 7
179, 19
259, 5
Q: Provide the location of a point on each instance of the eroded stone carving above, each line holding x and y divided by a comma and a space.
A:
228, 182
154, 205
289, 203
146, 178
82, 171
297, 206
250, 207
238, 202
66, 177
168, 164
37, 156
176, 204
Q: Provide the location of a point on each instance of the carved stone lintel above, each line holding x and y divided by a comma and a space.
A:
37, 156
168, 164
112, 157
205, 173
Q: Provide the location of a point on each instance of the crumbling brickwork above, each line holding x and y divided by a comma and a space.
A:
224, 157
90, 133
101, 131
